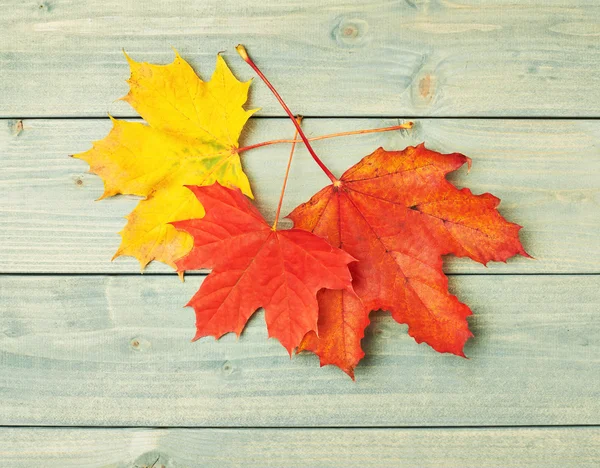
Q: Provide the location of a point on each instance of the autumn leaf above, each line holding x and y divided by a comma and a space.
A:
396, 213
342, 321
191, 138
254, 265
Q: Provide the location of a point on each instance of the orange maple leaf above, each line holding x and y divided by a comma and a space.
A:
396, 213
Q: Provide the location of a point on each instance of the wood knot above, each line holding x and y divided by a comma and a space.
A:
139, 344
426, 87
15, 127
227, 368
351, 32
45, 7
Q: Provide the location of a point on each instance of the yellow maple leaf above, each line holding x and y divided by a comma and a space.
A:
191, 138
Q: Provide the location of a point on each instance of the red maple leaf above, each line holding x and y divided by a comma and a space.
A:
255, 265
396, 213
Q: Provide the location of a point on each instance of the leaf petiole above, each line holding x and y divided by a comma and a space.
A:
287, 173
404, 126
242, 51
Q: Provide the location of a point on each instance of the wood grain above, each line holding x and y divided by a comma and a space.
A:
93, 346
290, 448
368, 58
114, 350
546, 173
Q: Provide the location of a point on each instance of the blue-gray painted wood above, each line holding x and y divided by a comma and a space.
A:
115, 350
370, 57
545, 172
102, 350
332, 448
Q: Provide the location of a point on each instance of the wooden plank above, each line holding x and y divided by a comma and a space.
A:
369, 58
115, 350
546, 173
325, 448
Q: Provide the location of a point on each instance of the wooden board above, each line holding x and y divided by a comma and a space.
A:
263, 448
546, 173
104, 350
368, 58
87, 342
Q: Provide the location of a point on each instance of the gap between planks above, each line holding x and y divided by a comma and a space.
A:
294, 428
326, 117
203, 273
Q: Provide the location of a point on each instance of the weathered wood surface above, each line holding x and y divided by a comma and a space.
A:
104, 350
410, 57
546, 173
108, 349
263, 448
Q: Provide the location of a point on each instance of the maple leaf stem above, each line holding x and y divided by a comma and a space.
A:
287, 173
404, 126
242, 51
